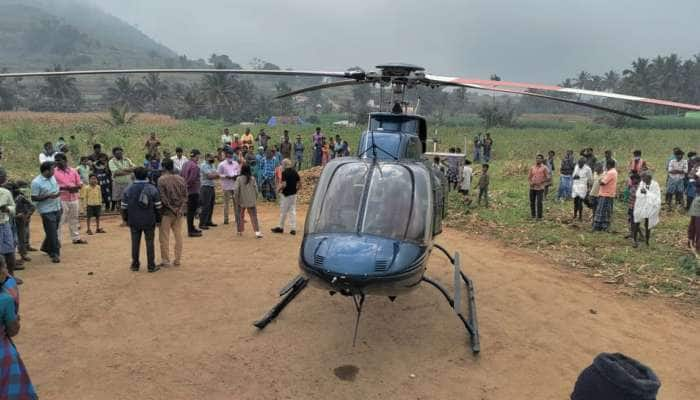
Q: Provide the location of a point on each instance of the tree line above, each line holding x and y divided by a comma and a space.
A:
231, 98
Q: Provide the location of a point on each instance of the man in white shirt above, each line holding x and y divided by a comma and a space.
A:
47, 154
178, 159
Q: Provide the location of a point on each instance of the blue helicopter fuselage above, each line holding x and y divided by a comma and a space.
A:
371, 223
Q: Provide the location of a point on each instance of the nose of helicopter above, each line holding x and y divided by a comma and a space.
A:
357, 259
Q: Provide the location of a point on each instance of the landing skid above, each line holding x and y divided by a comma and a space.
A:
470, 323
288, 293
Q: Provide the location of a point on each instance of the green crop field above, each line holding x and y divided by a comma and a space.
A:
664, 269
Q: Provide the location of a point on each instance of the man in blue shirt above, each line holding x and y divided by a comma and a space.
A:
269, 164
141, 211
45, 195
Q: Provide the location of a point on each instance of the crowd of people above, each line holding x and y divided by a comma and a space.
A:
593, 184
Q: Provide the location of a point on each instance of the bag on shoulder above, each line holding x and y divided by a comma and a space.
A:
144, 200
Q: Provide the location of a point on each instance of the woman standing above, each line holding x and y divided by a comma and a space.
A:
14, 380
246, 194
582, 177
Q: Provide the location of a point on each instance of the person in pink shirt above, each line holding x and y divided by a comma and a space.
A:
69, 184
228, 170
538, 177
606, 197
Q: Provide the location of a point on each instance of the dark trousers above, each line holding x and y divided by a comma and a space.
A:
536, 197
149, 232
51, 221
192, 204
22, 235
484, 194
206, 197
578, 207
10, 262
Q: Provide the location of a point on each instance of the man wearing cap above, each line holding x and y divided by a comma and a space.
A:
615, 376
190, 172
288, 199
45, 195
69, 184
207, 192
228, 170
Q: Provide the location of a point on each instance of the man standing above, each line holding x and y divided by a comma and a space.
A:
226, 138
537, 178
228, 170
173, 196
247, 138
178, 159
96, 153
288, 201
263, 138
121, 168
286, 146
45, 195
190, 172
638, 164
152, 144
317, 140
487, 146
267, 168
298, 152
47, 153
675, 185
207, 192
7, 237
567, 169
141, 211
606, 197
69, 184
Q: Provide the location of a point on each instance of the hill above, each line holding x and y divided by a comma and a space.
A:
35, 34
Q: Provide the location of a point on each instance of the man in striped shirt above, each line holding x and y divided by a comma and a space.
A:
141, 211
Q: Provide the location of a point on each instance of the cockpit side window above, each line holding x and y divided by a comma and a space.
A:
341, 203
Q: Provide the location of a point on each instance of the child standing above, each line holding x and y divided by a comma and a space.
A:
484, 185
92, 196
104, 178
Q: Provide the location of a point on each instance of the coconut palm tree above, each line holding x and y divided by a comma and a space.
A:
59, 93
152, 89
124, 93
219, 90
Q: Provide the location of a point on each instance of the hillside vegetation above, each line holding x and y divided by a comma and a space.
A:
36, 34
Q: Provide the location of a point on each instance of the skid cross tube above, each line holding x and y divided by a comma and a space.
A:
470, 322
288, 293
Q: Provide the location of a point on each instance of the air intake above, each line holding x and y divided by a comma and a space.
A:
319, 260
382, 265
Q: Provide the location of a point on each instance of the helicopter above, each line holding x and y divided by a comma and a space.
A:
372, 222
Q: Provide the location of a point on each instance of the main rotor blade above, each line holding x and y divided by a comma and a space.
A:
488, 84
330, 74
345, 82
544, 96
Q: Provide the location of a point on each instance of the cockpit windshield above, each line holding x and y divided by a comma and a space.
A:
397, 203
393, 124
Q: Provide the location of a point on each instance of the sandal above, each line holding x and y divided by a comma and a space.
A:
89, 232
101, 231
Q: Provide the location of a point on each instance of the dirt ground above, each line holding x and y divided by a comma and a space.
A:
92, 329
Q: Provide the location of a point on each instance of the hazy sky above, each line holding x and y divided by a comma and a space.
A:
535, 40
